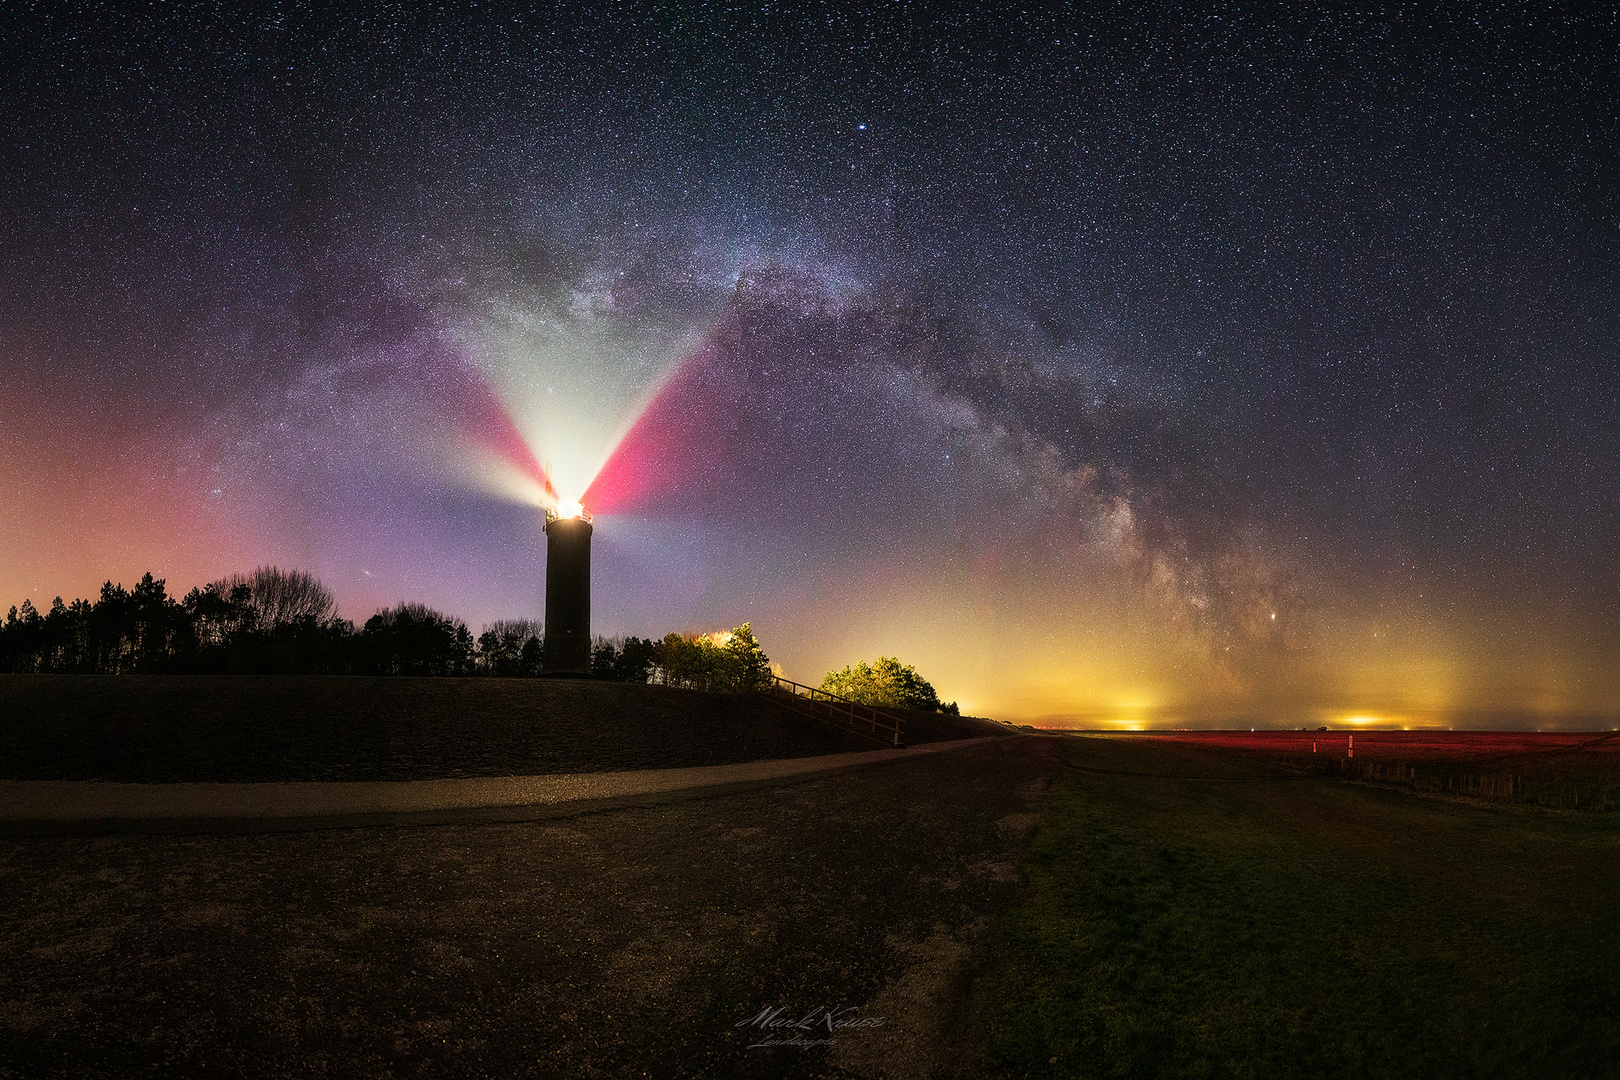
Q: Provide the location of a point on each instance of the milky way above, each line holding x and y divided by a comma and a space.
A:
1129, 368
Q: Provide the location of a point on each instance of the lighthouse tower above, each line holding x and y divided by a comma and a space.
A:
568, 592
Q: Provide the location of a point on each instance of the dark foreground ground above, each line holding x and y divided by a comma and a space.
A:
620, 943
167, 729
1185, 910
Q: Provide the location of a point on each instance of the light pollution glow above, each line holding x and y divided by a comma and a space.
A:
1054, 660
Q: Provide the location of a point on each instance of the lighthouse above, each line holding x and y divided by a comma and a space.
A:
568, 591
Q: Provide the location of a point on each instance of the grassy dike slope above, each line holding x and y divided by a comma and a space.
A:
1256, 926
157, 729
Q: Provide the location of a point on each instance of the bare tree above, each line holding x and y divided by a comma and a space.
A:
283, 597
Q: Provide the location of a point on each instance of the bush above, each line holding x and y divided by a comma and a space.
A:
885, 682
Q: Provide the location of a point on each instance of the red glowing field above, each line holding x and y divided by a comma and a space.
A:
1455, 747
1564, 770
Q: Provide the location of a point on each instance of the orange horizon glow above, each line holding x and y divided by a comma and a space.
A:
1104, 658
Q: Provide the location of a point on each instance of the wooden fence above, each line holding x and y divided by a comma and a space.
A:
874, 723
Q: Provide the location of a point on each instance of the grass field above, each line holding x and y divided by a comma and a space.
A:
1193, 912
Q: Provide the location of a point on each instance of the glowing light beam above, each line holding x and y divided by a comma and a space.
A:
572, 384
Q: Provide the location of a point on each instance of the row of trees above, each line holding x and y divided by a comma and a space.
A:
270, 621
276, 621
270, 618
886, 682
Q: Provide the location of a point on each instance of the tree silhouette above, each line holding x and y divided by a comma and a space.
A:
272, 620
154, 618
748, 668
281, 597
604, 658
26, 629
622, 659
635, 662
533, 654
413, 639
275, 621
112, 629
500, 646
727, 660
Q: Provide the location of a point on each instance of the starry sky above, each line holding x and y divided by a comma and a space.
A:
1131, 367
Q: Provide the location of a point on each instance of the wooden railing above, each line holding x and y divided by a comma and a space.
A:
818, 704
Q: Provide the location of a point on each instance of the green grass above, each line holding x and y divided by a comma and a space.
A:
1301, 927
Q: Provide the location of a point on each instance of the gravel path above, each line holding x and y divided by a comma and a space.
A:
623, 942
54, 806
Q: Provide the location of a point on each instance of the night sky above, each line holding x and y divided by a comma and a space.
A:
1114, 369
